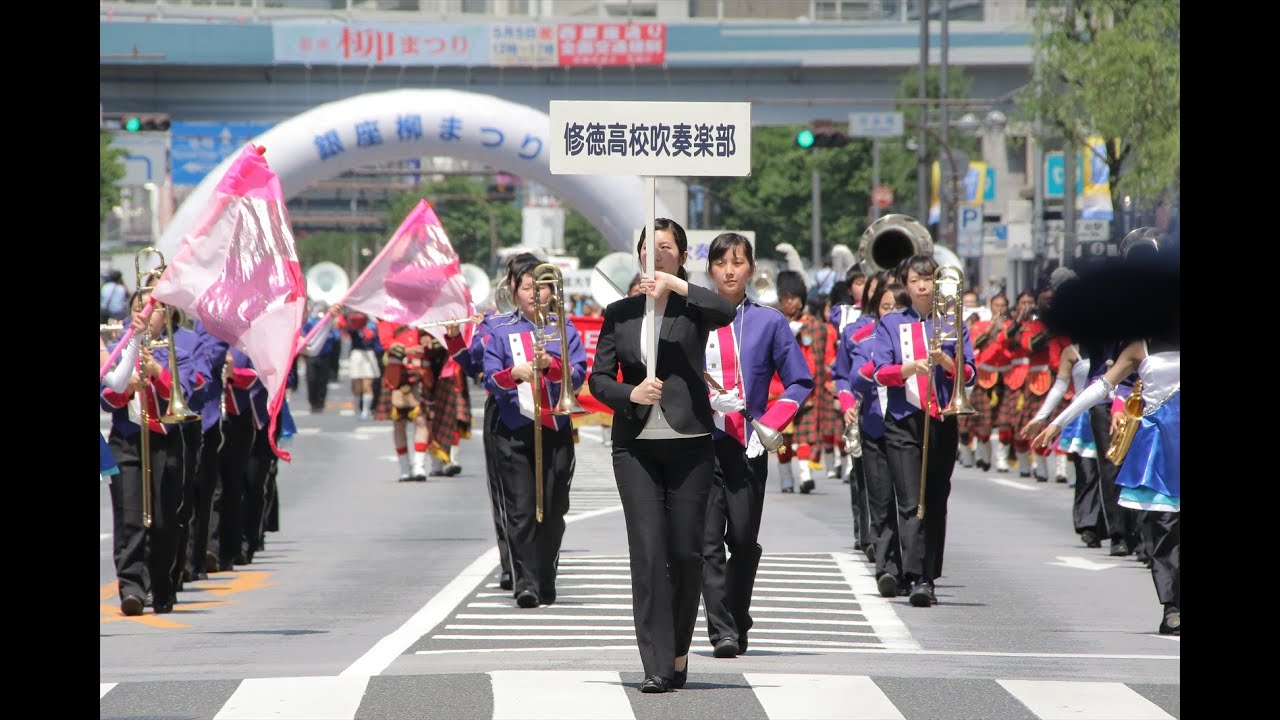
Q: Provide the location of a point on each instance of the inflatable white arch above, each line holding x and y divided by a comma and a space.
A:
380, 127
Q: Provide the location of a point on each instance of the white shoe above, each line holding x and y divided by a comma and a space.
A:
1041, 468
405, 473
982, 454
1024, 463
999, 454
966, 456
420, 465
786, 475
1061, 467
806, 477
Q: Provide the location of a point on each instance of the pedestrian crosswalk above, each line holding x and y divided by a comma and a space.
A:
609, 695
802, 602
593, 488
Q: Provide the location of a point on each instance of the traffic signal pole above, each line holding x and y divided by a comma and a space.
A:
816, 182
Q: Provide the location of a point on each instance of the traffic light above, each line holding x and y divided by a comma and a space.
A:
821, 134
136, 122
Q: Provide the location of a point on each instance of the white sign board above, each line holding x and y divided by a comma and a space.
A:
969, 231
699, 139
1086, 230
875, 124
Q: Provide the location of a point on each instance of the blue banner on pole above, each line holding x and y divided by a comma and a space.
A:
198, 147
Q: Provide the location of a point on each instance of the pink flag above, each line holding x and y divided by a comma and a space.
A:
416, 279
238, 273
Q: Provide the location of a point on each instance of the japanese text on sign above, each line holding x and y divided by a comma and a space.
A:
522, 45
646, 138
380, 44
612, 44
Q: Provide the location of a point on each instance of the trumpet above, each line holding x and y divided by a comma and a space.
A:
771, 439
548, 274
948, 280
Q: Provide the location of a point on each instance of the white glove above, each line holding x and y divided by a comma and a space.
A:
754, 447
727, 402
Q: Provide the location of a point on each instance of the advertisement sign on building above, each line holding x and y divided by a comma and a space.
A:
612, 43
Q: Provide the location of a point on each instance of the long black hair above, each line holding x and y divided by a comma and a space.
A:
682, 240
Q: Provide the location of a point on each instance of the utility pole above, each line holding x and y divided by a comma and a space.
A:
875, 176
922, 176
1069, 153
816, 182
946, 220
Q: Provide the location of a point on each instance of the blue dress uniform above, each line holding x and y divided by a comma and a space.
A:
743, 357
238, 434
900, 337
856, 388
471, 360
534, 547
198, 494
145, 557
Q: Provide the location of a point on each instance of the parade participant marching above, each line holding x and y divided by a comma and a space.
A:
846, 308
362, 361
450, 404
146, 548
741, 358
812, 428
117, 379
993, 362
471, 360
663, 460
320, 365
862, 399
1016, 407
199, 561
239, 433
919, 380
409, 382
534, 532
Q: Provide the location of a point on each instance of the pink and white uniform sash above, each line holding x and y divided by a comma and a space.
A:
722, 365
915, 346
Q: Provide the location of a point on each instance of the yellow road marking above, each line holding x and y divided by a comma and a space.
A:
237, 583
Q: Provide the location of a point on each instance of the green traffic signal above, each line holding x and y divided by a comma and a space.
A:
805, 138
133, 124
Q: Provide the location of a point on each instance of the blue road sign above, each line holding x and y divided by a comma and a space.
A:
198, 147
1055, 172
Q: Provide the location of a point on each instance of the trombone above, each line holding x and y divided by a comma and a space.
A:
178, 411
548, 274
948, 281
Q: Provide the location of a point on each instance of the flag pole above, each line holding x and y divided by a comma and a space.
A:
124, 340
650, 309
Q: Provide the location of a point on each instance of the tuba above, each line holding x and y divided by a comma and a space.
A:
894, 238
1130, 419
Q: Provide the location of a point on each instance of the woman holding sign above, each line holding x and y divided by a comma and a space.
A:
663, 461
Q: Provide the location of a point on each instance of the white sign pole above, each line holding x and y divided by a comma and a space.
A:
650, 310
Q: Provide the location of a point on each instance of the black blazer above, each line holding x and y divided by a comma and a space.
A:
682, 350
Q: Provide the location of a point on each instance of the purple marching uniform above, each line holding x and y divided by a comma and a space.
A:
534, 546
202, 490
900, 337
257, 492
471, 360
735, 503
239, 430
140, 552
877, 517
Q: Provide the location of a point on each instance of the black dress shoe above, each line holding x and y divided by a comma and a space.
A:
1172, 623
131, 605
655, 684
887, 585
452, 469
682, 676
505, 581
742, 644
1090, 539
726, 648
807, 486
921, 594
527, 599
162, 606
1120, 548
210, 562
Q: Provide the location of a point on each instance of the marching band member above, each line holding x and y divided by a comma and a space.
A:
199, 561
259, 463
508, 374
239, 431
117, 379
813, 426
1016, 405
969, 423
990, 447
190, 344
321, 366
409, 381
861, 396
663, 462
471, 360
450, 411
757, 344
919, 380
362, 362
144, 557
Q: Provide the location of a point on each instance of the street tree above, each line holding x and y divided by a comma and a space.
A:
111, 163
1112, 70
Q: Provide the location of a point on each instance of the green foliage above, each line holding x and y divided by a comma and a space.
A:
335, 246
582, 239
475, 225
111, 164
1114, 72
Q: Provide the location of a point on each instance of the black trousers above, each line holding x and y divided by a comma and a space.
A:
923, 541
233, 464
192, 449
664, 486
491, 421
1121, 522
535, 547
201, 496
881, 504
862, 537
1165, 531
255, 491
318, 369
735, 504
145, 557
1086, 509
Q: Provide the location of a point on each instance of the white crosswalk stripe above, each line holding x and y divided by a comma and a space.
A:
530, 694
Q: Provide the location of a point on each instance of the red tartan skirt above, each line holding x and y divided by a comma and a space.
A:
1017, 408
